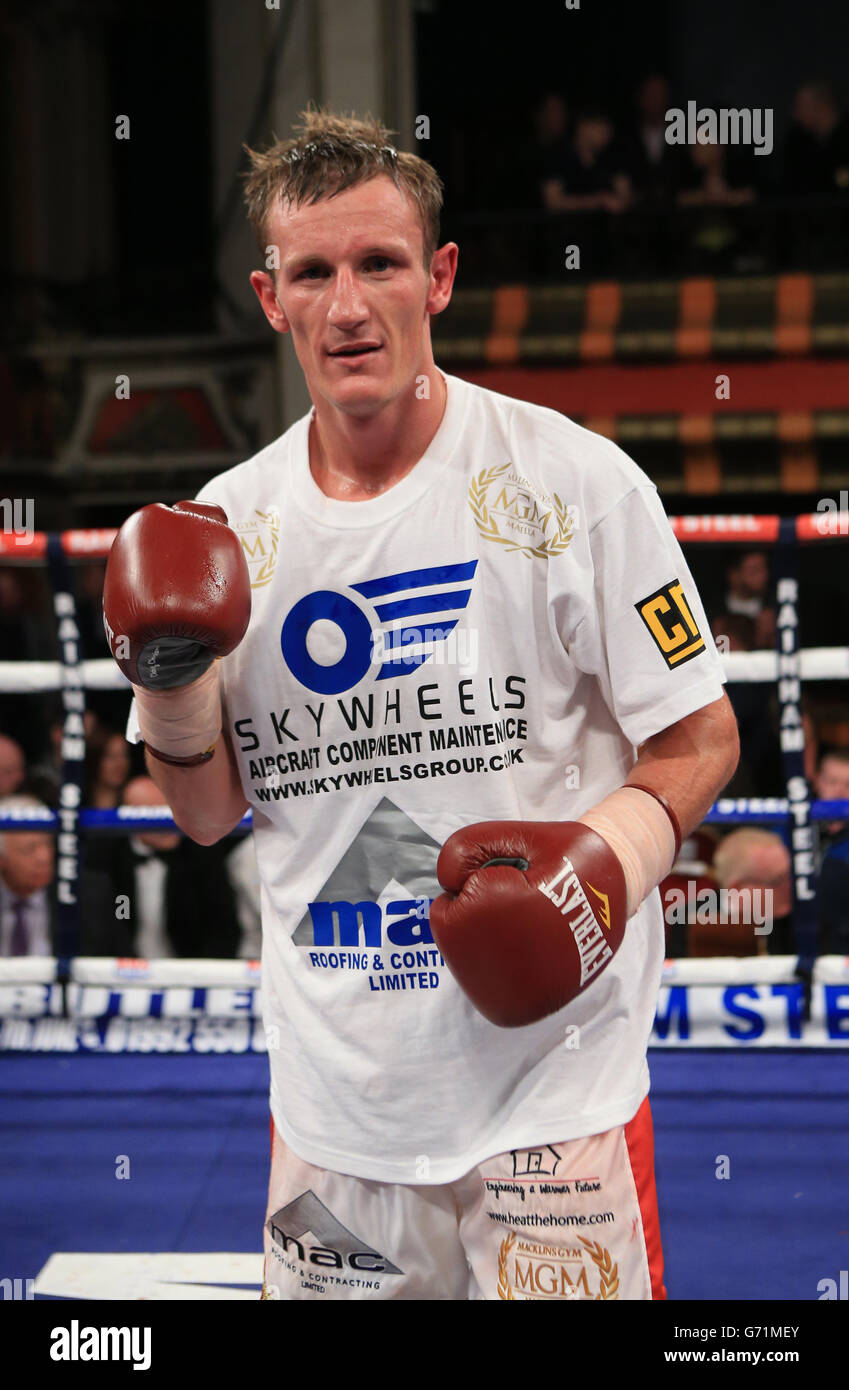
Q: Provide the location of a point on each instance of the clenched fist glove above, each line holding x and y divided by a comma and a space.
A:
176, 596
533, 911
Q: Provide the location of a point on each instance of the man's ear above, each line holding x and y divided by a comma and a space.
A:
263, 286
443, 269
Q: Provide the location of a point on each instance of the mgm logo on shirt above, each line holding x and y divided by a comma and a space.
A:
512, 511
529, 1269
260, 540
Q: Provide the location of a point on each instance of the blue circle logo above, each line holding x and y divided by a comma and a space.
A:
352, 665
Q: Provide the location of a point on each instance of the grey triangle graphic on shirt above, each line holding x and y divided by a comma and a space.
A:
389, 846
307, 1215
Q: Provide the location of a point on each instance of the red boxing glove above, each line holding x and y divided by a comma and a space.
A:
176, 595
531, 914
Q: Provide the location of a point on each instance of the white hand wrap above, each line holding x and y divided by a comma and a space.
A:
640, 833
184, 722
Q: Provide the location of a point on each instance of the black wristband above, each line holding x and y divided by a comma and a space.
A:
181, 762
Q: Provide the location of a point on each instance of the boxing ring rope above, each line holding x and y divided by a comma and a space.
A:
72, 1003
120, 1005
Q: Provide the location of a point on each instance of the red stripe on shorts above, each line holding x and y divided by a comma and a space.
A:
639, 1138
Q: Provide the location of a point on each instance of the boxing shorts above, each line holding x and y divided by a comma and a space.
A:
575, 1221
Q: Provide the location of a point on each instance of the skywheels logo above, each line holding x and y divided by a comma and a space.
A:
330, 640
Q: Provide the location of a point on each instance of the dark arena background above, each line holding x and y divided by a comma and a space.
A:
688, 300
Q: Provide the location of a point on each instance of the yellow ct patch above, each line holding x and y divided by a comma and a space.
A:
666, 614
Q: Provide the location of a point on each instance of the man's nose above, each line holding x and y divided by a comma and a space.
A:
347, 306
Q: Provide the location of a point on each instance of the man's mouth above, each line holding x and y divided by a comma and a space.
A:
356, 350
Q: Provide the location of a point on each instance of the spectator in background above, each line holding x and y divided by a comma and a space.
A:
832, 783
733, 632
589, 174
747, 583
716, 235
243, 877
88, 584
107, 769
707, 181
754, 864
44, 778
654, 166
27, 908
692, 867
759, 768
810, 755
110, 706
833, 899
22, 638
549, 144
816, 150
136, 886
156, 894
12, 765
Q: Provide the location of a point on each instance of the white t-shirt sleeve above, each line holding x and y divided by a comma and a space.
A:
646, 637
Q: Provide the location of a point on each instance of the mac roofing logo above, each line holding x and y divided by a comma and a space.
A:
330, 640
307, 1215
390, 858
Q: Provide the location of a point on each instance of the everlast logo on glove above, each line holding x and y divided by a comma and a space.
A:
581, 920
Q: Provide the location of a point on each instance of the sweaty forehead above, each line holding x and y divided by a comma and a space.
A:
364, 212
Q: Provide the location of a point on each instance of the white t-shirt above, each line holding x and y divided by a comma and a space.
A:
489, 639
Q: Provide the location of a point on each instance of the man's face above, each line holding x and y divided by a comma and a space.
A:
354, 294
12, 767
811, 111
751, 576
832, 784
594, 133
142, 791
26, 861
768, 871
115, 763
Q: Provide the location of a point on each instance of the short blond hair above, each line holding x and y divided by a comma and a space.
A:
741, 855
330, 153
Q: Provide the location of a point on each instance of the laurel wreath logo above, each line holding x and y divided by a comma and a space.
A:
488, 525
504, 1289
608, 1271
601, 1258
266, 570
